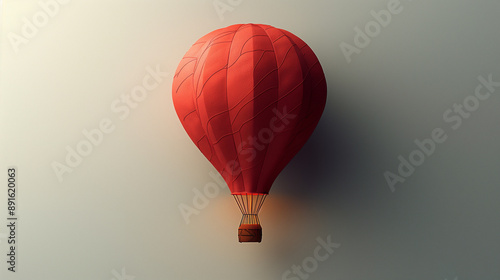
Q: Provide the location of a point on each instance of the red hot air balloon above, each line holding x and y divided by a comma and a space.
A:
249, 96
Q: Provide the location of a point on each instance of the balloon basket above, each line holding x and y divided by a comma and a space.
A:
249, 233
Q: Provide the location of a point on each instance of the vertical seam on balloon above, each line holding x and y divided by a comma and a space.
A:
259, 186
227, 105
298, 53
208, 47
212, 150
205, 82
236, 60
304, 76
253, 99
251, 37
298, 130
195, 102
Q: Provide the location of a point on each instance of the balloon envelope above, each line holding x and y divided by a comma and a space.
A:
249, 96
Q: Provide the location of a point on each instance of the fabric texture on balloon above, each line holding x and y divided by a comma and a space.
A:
249, 96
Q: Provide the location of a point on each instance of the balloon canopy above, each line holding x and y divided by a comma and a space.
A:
249, 96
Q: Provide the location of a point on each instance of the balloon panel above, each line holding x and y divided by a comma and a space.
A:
249, 96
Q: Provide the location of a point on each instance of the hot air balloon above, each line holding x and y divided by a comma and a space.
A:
249, 96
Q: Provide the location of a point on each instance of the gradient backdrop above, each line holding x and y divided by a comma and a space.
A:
69, 68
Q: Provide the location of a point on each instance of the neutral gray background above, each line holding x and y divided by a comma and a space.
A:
116, 215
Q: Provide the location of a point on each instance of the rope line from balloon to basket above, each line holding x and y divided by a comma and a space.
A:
250, 205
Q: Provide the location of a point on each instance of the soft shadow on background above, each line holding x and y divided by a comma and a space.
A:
118, 211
